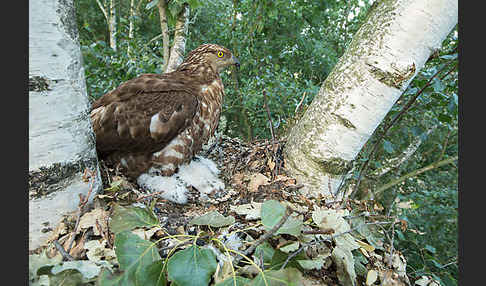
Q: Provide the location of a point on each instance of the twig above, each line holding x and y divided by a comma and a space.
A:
392, 248
149, 195
320, 231
415, 173
299, 105
268, 114
271, 232
82, 203
444, 146
63, 252
323, 240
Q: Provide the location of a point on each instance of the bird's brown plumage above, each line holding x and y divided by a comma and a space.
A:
162, 120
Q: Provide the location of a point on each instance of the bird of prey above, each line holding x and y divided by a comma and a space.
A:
155, 124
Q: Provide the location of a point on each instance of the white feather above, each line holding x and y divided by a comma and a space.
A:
201, 173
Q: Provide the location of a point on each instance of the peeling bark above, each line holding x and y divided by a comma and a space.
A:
382, 59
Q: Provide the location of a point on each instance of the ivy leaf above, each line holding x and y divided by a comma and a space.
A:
272, 213
153, 275
234, 281
266, 251
128, 218
213, 219
284, 277
192, 266
136, 257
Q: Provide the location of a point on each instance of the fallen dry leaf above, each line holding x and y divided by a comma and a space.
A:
251, 211
256, 181
89, 220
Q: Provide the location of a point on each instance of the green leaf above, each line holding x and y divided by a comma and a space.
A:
430, 248
444, 118
449, 57
234, 281
272, 212
438, 85
128, 218
153, 275
284, 277
265, 250
87, 268
151, 4
192, 266
359, 264
213, 219
136, 258
388, 146
279, 258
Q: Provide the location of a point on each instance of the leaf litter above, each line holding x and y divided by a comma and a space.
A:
129, 237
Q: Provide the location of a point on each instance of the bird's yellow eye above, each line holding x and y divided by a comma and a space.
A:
220, 54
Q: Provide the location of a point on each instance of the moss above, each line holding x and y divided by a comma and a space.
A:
335, 166
395, 79
345, 122
48, 180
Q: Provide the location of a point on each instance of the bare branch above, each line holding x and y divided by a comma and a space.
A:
103, 10
270, 233
415, 173
268, 115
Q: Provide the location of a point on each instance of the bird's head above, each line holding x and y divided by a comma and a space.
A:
216, 56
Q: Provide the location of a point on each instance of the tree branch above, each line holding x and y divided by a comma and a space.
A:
406, 154
103, 10
162, 6
270, 233
415, 173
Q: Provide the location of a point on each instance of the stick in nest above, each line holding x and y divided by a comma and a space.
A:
270, 233
82, 203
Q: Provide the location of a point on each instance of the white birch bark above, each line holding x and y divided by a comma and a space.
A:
384, 56
112, 25
131, 25
179, 45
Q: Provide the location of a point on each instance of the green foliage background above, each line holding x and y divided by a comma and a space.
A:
287, 48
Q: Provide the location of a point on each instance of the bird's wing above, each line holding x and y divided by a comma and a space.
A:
143, 114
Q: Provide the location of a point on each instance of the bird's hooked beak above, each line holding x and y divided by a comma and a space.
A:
236, 62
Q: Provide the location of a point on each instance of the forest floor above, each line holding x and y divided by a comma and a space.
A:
253, 173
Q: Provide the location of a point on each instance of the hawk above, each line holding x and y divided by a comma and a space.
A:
153, 125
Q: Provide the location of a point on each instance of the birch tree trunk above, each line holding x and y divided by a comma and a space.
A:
179, 45
131, 25
112, 25
384, 56
110, 20
162, 6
